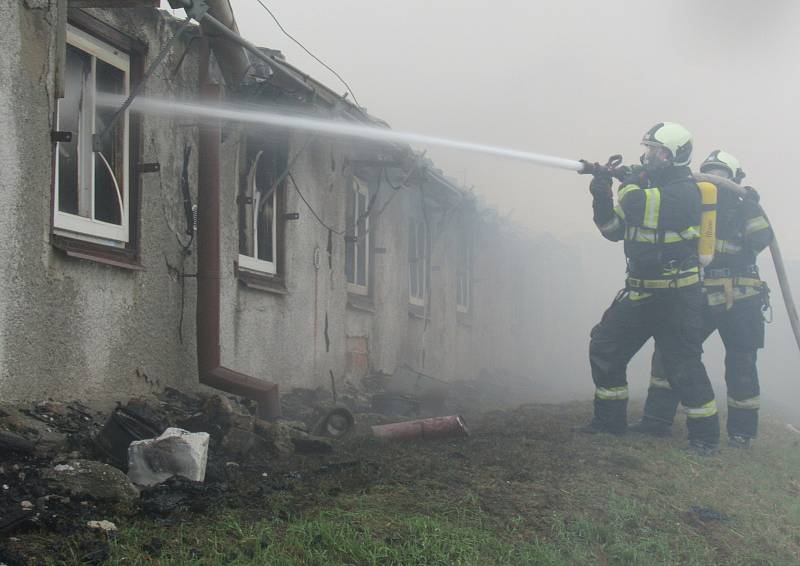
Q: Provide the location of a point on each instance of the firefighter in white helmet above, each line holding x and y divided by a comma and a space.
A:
657, 214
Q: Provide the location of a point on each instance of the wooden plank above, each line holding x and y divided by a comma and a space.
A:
114, 3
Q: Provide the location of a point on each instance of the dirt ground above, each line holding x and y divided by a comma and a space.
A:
520, 466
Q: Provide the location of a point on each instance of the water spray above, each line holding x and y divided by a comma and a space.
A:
329, 127
612, 168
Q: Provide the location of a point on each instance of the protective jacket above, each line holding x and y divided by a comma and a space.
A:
660, 224
735, 296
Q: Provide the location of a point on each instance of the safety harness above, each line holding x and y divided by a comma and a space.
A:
733, 285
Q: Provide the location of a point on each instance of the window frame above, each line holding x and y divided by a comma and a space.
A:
358, 188
76, 226
253, 263
423, 268
465, 252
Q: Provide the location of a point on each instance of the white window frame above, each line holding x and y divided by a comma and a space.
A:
422, 266
253, 263
360, 229
73, 224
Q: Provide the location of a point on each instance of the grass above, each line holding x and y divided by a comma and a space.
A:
534, 497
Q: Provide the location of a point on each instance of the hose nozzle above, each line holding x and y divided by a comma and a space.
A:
612, 168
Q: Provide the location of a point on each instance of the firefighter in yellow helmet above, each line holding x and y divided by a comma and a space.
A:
657, 215
735, 299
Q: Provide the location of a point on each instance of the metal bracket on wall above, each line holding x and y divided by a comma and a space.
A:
149, 167
64, 137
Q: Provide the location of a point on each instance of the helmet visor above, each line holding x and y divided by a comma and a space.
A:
718, 169
656, 155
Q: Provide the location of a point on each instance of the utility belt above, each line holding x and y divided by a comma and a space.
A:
673, 276
672, 283
735, 284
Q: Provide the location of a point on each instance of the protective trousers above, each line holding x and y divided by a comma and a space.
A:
742, 331
674, 317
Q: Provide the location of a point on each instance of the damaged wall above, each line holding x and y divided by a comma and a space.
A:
69, 326
77, 328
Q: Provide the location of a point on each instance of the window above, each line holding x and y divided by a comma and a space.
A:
259, 207
463, 273
356, 254
92, 196
418, 261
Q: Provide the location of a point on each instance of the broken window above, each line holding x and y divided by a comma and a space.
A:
91, 187
418, 261
357, 238
258, 205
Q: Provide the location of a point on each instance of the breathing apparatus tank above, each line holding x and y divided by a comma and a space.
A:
708, 223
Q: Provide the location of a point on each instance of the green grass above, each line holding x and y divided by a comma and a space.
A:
507, 499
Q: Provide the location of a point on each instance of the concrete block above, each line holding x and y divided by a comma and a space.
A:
176, 452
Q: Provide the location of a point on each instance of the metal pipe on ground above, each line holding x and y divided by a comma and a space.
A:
775, 250
212, 372
436, 427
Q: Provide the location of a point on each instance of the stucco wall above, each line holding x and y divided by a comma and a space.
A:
74, 328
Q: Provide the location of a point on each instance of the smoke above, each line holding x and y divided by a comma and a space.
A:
580, 79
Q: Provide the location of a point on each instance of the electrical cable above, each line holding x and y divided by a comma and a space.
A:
179, 64
303, 47
388, 182
138, 88
279, 179
313, 212
380, 211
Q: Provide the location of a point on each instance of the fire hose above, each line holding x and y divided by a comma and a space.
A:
775, 250
614, 168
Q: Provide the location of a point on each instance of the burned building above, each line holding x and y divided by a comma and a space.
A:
177, 250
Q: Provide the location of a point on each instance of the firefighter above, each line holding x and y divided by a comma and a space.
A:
735, 300
657, 215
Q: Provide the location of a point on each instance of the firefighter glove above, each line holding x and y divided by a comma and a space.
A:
637, 175
601, 186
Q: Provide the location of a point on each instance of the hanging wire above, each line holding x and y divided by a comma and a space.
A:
138, 88
303, 47
311, 208
396, 190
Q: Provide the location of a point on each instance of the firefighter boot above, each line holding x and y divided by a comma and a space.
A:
652, 427
609, 417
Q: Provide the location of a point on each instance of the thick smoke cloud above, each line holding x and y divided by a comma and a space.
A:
579, 79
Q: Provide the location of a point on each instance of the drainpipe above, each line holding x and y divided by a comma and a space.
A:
209, 274
231, 56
